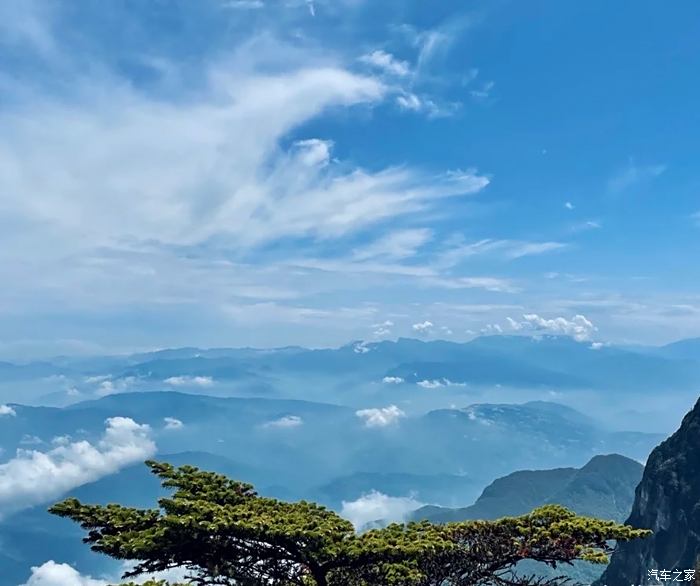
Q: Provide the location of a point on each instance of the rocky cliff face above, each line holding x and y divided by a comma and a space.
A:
667, 501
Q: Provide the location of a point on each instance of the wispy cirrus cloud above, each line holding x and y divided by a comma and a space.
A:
248, 191
634, 174
585, 226
520, 249
141, 219
396, 245
457, 251
387, 63
423, 104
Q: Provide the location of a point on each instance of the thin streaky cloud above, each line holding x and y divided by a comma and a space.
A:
633, 175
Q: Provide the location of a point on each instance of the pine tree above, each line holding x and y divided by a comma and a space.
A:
223, 533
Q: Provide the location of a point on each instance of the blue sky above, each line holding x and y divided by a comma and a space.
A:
261, 172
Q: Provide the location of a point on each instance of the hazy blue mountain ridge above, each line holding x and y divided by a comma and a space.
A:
604, 487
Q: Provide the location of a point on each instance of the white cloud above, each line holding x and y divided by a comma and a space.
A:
173, 423
569, 206
7, 410
376, 506
194, 381
105, 388
201, 182
490, 329
424, 327
579, 327
34, 477
141, 223
361, 348
52, 573
380, 417
286, 422
383, 329
110, 387
97, 378
412, 102
438, 383
314, 152
409, 101
387, 63
431, 384
434, 43
515, 325
422, 274
392, 380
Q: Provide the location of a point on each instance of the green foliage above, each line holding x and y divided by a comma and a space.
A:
153, 583
224, 533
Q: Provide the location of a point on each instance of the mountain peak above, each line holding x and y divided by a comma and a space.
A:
605, 462
667, 503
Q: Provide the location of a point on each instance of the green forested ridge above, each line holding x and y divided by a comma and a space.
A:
603, 488
224, 533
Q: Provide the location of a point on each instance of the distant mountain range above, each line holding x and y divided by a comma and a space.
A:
547, 362
481, 441
435, 421
299, 449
